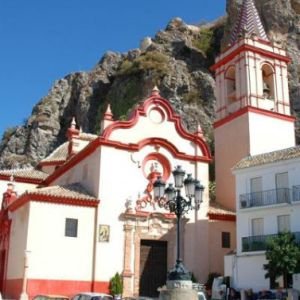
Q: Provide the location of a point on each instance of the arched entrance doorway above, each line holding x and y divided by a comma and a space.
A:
153, 266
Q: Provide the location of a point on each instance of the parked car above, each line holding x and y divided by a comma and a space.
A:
50, 297
92, 296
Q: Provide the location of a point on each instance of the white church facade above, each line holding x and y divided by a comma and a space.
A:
87, 211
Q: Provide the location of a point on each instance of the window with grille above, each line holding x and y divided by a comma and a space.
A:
71, 227
283, 223
257, 226
282, 185
225, 239
256, 191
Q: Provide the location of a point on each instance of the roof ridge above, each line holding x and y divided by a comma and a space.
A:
268, 157
18, 169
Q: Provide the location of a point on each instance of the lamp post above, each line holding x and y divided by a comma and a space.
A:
179, 205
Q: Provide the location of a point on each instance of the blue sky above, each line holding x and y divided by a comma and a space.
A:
44, 40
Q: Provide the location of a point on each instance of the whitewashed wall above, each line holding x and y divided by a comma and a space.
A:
17, 244
86, 172
50, 248
247, 271
280, 134
246, 268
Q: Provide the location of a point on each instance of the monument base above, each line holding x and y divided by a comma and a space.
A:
178, 290
24, 296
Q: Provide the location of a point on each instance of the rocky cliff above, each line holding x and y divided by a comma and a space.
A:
177, 60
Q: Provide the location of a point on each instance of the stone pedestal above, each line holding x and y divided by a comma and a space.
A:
178, 290
24, 296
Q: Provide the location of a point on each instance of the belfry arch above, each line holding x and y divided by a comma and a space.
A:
267, 73
230, 79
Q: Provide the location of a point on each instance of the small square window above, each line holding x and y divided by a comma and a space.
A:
225, 239
71, 227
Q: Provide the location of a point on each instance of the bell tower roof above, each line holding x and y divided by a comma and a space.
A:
248, 22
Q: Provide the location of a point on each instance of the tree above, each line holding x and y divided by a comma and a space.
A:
283, 256
116, 285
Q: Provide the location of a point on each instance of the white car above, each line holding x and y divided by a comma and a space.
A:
92, 296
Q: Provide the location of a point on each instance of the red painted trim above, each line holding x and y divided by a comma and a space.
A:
21, 179
148, 214
5, 231
171, 116
162, 160
27, 197
86, 151
59, 287
101, 286
245, 47
266, 42
175, 152
128, 147
221, 217
248, 109
256, 39
13, 289
140, 111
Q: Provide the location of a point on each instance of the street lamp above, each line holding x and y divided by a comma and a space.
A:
179, 205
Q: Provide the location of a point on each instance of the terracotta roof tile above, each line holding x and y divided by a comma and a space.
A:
30, 173
75, 191
267, 158
218, 209
59, 154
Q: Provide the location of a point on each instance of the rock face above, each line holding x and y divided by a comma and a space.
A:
177, 60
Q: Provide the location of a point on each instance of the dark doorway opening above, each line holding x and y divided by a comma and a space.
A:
153, 267
2, 269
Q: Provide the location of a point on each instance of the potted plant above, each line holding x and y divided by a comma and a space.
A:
116, 286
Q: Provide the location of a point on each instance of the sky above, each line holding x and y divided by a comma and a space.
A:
44, 40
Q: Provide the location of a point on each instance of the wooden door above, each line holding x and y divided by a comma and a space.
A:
153, 267
2, 269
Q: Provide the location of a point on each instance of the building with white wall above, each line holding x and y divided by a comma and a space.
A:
268, 202
88, 211
253, 107
257, 162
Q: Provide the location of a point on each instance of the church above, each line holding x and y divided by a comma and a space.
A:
88, 210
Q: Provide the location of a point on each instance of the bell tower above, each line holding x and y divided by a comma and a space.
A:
253, 108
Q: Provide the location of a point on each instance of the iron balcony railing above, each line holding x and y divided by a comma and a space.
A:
259, 242
265, 198
296, 193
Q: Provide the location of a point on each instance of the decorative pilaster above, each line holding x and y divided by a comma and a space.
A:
127, 273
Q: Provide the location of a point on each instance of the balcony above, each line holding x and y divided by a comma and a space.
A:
259, 242
296, 193
270, 197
